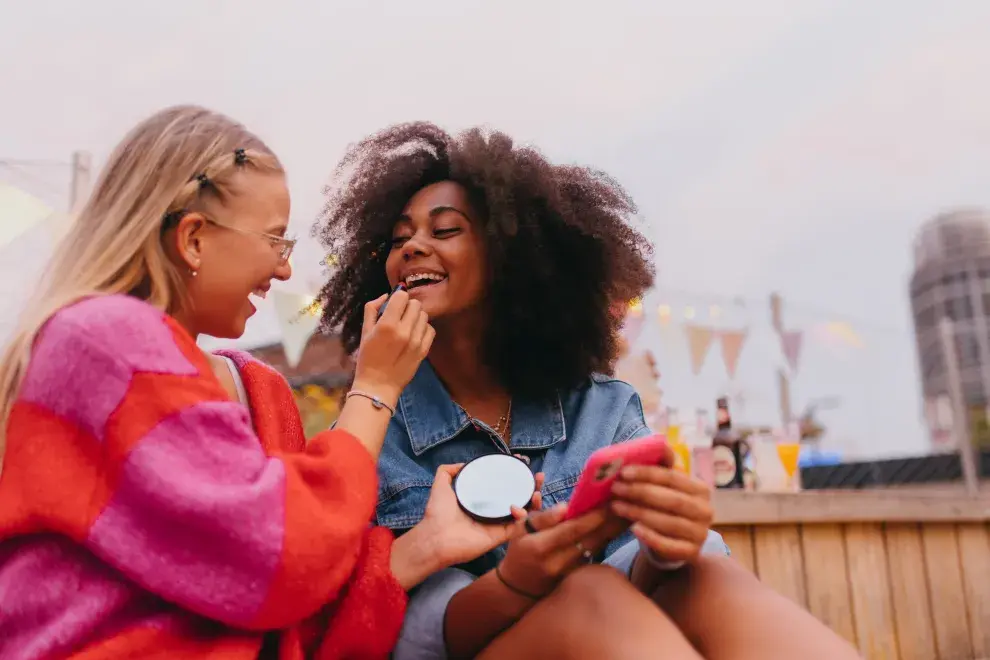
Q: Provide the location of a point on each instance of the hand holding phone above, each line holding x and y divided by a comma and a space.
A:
594, 487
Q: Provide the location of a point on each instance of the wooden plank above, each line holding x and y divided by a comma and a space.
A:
909, 588
948, 596
740, 542
821, 506
974, 553
827, 578
869, 584
780, 562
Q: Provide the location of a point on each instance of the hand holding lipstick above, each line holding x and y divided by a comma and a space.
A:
395, 339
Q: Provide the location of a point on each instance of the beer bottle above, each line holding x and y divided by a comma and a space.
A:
728, 450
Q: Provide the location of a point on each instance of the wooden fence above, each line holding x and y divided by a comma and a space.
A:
901, 575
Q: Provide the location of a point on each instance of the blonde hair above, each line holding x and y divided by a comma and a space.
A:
115, 245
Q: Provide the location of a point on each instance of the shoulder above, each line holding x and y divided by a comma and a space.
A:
600, 390
98, 315
605, 405
254, 370
119, 329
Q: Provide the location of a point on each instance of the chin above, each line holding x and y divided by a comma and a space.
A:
233, 330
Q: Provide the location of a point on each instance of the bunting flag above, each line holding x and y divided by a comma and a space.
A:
790, 342
732, 343
699, 341
19, 212
845, 333
298, 320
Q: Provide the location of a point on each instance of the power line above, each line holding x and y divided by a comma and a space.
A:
748, 302
21, 162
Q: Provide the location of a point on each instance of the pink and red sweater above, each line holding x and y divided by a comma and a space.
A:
143, 513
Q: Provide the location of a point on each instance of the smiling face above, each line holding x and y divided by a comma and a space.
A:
235, 251
438, 252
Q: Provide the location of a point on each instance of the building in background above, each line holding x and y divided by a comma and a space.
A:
951, 279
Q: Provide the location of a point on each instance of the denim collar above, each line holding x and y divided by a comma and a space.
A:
431, 417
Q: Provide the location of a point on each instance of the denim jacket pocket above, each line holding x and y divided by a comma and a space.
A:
401, 505
559, 491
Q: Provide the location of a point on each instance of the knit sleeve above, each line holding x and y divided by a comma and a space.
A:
184, 501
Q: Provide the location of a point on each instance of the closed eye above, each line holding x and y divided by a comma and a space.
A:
440, 233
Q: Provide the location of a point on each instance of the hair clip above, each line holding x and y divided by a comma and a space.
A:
204, 181
239, 157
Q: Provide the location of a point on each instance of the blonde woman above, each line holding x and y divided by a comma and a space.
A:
156, 501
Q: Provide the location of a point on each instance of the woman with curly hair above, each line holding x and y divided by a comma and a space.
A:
520, 265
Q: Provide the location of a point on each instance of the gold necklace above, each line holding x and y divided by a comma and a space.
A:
501, 426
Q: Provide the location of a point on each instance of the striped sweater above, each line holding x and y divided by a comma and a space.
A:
143, 513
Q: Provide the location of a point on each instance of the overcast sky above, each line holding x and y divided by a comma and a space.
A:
771, 145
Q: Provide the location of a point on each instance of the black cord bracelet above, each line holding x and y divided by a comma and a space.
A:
513, 589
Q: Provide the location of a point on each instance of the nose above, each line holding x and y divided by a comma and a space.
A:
283, 271
415, 247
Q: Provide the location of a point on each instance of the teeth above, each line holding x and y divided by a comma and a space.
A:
261, 293
424, 276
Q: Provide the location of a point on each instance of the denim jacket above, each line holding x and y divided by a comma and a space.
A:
556, 437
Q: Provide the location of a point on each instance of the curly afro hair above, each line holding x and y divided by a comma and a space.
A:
560, 249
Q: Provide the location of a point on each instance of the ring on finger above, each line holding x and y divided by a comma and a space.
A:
586, 555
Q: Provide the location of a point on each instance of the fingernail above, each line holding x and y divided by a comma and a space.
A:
619, 487
398, 287
628, 472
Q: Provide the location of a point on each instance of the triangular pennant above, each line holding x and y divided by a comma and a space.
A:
699, 341
790, 342
732, 343
297, 322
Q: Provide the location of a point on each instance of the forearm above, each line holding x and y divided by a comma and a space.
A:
479, 613
364, 420
414, 557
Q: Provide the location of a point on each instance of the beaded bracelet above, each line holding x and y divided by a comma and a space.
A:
375, 401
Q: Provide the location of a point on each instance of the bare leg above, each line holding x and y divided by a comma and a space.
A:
730, 615
597, 614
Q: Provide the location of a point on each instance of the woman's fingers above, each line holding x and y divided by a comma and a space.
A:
542, 520
371, 313
669, 548
410, 316
662, 523
667, 500
661, 476
569, 532
419, 331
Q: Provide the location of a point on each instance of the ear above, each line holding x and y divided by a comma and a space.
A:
187, 240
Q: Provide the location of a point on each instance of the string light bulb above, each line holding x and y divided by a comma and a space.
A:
689, 313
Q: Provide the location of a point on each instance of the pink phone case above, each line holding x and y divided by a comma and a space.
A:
594, 487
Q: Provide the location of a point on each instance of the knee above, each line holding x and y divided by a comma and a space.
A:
596, 594
595, 583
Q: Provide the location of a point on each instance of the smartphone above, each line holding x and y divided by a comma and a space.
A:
594, 487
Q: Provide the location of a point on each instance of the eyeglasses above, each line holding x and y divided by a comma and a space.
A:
284, 246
